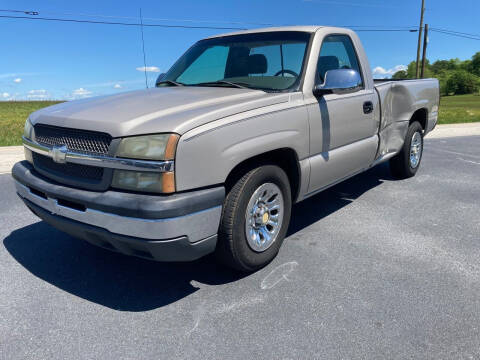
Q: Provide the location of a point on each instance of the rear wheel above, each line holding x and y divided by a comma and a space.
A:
406, 163
255, 219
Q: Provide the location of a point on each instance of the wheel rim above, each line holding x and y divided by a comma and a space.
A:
264, 217
415, 150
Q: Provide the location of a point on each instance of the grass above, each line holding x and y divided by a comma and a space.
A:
459, 109
12, 119
453, 109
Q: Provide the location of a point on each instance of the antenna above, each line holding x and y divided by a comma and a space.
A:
143, 49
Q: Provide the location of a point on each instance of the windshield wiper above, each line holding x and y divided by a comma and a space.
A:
222, 82
170, 82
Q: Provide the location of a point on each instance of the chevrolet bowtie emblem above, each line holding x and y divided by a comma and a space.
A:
59, 154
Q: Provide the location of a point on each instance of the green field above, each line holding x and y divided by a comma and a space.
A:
12, 119
453, 109
459, 109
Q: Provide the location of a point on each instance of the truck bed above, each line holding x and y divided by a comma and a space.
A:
399, 101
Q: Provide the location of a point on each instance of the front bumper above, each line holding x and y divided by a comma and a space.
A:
178, 227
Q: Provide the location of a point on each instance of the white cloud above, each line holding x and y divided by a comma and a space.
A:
80, 93
122, 83
39, 94
17, 80
5, 95
380, 71
117, 86
15, 75
148, 68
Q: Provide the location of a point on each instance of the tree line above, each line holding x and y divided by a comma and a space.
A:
455, 76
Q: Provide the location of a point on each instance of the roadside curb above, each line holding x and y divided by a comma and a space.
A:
9, 155
455, 130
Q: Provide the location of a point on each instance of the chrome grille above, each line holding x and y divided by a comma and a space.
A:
80, 173
82, 141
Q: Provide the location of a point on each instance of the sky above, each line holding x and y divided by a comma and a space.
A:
62, 60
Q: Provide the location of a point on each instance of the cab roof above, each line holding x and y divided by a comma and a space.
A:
310, 29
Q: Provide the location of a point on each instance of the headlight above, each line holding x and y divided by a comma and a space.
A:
148, 147
144, 181
28, 131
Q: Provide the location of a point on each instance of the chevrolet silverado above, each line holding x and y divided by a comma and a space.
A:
211, 160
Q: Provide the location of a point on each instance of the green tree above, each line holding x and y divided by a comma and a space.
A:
462, 82
455, 76
402, 74
411, 70
443, 65
443, 77
474, 65
406, 74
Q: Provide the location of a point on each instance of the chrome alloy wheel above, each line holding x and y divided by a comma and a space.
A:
264, 217
415, 149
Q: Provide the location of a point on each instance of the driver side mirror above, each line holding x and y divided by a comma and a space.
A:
159, 79
339, 81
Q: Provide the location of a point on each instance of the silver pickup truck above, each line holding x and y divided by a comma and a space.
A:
211, 160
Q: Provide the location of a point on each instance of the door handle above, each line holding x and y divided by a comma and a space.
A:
367, 107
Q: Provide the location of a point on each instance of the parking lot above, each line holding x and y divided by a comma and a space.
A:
371, 268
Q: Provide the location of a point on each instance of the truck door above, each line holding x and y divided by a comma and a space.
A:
342, 126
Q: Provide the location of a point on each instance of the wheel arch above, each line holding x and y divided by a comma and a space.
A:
286, 158
420, 115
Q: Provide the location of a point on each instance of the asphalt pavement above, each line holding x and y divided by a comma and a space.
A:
373, 268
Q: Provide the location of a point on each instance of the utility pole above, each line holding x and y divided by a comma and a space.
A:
425, 42
419, 39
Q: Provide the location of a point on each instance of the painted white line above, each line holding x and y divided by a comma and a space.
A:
456, 153
469, 161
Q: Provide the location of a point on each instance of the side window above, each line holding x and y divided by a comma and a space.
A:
337, 52
209, 65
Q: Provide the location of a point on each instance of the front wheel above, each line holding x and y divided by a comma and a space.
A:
406, 163
255, 218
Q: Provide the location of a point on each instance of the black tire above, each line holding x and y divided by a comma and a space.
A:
233, 249
400, 165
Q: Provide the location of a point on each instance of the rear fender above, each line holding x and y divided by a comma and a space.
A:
399, 101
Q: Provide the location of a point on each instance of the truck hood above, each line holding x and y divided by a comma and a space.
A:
168, 109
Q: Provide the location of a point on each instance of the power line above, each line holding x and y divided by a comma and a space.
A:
28, 12
471, 37
179, 20
453, 34
378, 28
121, 23
366, 28
358, 28
162, 19
375, 26
458, 32
135, 18
165, 25
385, 30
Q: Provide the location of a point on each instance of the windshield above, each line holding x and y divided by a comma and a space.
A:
271, 61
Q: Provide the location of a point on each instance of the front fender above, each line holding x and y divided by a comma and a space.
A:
206, 155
